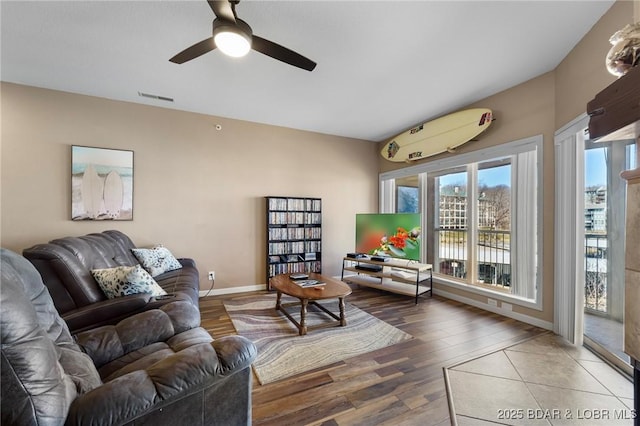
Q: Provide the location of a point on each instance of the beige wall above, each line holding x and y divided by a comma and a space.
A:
541, 106
196, 190
582, 73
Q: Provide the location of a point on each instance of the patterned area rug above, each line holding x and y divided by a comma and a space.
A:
283, 353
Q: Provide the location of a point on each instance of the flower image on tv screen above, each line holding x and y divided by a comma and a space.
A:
389, 234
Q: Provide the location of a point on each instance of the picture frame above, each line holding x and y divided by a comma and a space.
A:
101, 183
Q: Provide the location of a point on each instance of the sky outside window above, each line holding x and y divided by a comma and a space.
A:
454, 179
595, 167
495, 176
491, 177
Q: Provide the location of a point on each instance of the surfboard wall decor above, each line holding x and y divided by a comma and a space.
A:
101, 183
113, 194
92, 190
443, 134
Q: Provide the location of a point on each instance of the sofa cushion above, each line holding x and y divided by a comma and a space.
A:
147, 356
126, 280
157, 260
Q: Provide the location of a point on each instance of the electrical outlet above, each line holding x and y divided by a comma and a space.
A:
492, 302
212, 275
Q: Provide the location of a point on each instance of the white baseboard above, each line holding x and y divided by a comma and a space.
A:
232, 290
515, 315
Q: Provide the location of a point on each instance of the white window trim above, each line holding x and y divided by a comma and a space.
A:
387, 198
507, 149
569, 231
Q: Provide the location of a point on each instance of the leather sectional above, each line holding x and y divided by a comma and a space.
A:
157, 367
65, 265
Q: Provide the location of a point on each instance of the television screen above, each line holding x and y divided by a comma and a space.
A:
390, 234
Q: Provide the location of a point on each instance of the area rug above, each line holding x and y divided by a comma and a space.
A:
283, 353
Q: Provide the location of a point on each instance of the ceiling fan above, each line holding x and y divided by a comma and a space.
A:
234, 37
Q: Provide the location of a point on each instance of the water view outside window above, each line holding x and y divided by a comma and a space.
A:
407, 195
408, 200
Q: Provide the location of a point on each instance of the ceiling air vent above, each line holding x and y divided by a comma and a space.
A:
158, 97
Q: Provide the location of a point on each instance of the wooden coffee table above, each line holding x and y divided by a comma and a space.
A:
333, 289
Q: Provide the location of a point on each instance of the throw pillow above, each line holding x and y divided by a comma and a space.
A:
157, 260
125, 280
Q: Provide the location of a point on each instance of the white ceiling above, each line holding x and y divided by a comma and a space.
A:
383, 66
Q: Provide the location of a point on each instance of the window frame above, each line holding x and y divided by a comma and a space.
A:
387, 205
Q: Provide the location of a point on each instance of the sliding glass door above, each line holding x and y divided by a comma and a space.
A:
604, 253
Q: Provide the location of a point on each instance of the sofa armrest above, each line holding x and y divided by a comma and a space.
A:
105, 311
107, 343
187, 261
234, 353
186, 372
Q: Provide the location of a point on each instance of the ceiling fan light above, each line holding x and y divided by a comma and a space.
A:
232, 43
232, 38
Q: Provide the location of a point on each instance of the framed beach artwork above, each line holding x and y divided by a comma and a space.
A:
101, 183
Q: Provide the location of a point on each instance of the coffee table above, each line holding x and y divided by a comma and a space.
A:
333, 289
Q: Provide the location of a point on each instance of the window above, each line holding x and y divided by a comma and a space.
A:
473, 239
450, 227
493, 225
407, 195
480, 214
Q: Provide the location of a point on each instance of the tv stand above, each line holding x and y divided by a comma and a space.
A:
400, 276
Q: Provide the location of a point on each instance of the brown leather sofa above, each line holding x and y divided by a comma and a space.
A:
65, 265
157, 367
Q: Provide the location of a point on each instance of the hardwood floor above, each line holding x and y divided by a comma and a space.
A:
398, 385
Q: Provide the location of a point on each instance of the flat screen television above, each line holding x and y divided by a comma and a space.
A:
390, 234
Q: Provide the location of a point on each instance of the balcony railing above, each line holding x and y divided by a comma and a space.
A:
493, 256
595, 271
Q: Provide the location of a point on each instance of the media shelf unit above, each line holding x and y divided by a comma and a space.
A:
400, 276
294, 235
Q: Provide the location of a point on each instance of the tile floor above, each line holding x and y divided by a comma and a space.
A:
543, 381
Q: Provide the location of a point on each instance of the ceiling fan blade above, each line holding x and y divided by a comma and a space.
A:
194, 51
281, 53
222, 9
